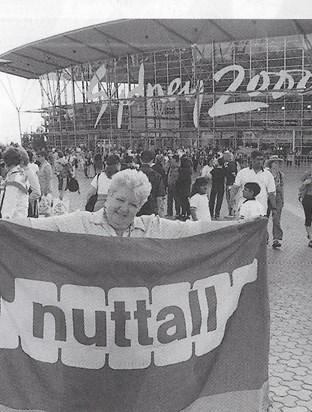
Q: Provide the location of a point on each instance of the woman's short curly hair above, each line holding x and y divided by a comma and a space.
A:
134, 180
12, 157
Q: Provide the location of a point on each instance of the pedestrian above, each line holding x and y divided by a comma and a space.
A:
183, 187
199, 204
87, 163
33, 166
15, 194
97, 163
273, 164
207, 168
45, 180
172, 177
290, 159
159, 167
34, 189
64, 171
251, 207
217, 189
155, 201
255, 173
101, 182
305, 197
231, 169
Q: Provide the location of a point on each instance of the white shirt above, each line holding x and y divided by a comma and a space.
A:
102, 184
201, 205
251, 209
265, 180
15, 194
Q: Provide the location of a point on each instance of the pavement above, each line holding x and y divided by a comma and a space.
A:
290, 291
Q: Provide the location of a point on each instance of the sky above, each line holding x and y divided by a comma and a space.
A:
25, 21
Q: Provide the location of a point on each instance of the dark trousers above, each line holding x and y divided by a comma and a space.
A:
307, 207
185, 205
172, 197
216, 193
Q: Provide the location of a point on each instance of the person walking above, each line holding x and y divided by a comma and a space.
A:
217, 189
305, 197
273, 165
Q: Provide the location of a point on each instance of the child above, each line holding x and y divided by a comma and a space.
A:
199, 200
251, 207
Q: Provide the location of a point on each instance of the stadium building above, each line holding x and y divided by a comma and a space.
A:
174, 82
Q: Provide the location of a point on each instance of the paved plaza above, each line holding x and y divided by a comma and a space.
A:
290, 289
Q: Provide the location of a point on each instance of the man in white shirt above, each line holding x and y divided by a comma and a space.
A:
255, 173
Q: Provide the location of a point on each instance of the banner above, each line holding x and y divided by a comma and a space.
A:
95, 324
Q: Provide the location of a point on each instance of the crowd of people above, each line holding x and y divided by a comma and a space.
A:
184, 185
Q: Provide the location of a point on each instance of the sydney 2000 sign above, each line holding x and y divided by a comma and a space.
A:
283, 82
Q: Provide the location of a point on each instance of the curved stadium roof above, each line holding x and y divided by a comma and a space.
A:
132, 36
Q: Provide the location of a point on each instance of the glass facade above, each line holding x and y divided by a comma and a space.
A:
221, 93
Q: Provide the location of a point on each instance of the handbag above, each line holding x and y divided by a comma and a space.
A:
93, 199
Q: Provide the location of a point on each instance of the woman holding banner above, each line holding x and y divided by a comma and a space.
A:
128, 191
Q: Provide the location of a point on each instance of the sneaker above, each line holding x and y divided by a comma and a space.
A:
277, 244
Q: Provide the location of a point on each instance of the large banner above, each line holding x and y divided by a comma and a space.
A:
97, 324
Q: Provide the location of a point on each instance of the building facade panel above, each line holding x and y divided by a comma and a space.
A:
257, 88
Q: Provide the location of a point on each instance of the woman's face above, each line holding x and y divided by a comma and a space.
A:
121, 207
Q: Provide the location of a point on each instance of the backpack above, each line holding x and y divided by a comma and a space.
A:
73, 185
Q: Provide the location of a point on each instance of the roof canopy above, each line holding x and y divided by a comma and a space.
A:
132, 36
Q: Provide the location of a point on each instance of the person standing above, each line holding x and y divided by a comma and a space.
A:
98, 163
305, 197
45, 174
183, 187
15, 194
159, 167
217, 189
62, 170
34, 190
101, 182
154, 204
173, 174
231, 169
255, 173
199, 204
273, 164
